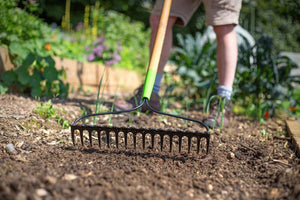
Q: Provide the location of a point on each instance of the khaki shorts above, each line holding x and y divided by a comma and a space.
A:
217, 12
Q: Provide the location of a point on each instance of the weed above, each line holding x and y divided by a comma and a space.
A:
265, 133
220, 109
99, 99
111, 110
47, 111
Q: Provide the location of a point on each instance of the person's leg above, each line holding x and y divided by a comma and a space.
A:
223, 16
227, 53
154, 22
180, 14
154, 100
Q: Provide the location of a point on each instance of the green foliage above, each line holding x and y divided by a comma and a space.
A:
221, 109
99, 98
279, 18
263, 82
22, 32
130, 40
37, 75
3, 88
47, 111
195, 58
264, 78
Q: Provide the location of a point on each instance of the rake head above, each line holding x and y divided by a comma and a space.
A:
118, 137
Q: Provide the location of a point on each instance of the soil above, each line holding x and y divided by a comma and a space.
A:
38, 160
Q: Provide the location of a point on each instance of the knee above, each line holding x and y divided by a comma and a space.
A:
222, 30
154, 21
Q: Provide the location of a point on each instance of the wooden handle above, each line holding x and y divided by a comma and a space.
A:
156, 52
160, 36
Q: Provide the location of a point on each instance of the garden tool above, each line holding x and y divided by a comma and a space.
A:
147, 91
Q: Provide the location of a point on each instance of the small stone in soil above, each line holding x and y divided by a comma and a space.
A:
11, 149
230, 156
41, 192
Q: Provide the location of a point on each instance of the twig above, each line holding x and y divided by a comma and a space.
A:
281, 162
281, 137
248, 148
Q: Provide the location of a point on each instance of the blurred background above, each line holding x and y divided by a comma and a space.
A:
116, 33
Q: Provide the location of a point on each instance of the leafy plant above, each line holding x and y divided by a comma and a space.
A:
195, 58
101, 52
47, 111
38, 76
118, 31
264, 78
23, 32
99, 98
221, 104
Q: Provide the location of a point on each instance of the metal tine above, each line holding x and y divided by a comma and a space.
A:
152, 141
144, 139
171, 142
90, 138
161, 141
117, 139
99, 139
73, 136
207, 145
81, 137
125, 137
134, 140
107, 138
180, 138
198, 144
189, 144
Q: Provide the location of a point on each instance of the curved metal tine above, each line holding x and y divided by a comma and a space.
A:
207, 145
144, 140
117, 139
81, 137
198, 144
171, 143
189, 144
134, 140
161, 141
177, 116
107, 113
73, 135
99, 139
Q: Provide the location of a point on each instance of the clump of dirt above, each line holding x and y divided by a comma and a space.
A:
248, 160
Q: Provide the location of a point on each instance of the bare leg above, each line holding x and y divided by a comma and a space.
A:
227, 52
154, 22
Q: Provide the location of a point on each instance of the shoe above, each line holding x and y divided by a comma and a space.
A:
136, 99
219, 118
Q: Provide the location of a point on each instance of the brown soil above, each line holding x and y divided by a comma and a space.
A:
243, 163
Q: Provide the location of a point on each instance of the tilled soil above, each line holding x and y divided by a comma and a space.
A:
248, 160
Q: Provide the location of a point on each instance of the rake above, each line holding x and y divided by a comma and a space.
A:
147, 91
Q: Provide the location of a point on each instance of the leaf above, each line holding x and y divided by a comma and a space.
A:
17, 48
3, 88
35, 81
50, 61
30, 58
9, 77
23, 75
36, 92
50, 74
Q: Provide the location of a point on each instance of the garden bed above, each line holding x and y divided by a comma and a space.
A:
246, 161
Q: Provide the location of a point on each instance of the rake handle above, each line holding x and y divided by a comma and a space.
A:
157, 49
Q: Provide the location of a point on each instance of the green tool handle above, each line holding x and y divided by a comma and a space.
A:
157, 49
